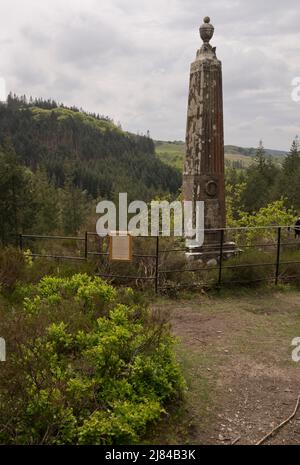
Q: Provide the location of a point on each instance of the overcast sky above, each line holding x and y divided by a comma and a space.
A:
130, 59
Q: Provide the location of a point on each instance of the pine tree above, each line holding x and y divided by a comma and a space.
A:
74, 206
289, 183
260, 157
47, 201
292, 162
17, 203
260, 181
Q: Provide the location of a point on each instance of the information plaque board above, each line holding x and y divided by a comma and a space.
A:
120, 246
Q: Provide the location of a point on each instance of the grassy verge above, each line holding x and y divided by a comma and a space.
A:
234, 345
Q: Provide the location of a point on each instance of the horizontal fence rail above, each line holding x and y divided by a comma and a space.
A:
159, 255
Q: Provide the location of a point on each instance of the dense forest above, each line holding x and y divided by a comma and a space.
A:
261, 184
265, 182
55, 162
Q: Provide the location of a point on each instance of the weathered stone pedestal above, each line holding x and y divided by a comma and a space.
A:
210, 254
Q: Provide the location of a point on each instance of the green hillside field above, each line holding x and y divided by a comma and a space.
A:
172, 153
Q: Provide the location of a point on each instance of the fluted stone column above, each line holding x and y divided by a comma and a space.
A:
203, 176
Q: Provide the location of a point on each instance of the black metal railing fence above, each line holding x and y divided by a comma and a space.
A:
154, 262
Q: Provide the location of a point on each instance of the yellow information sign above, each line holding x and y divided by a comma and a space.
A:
120, 246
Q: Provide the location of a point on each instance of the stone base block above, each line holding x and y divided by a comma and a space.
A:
210, 253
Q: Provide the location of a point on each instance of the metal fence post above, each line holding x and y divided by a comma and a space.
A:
156, 265
278, 255
86, 245
21, 242
221, 256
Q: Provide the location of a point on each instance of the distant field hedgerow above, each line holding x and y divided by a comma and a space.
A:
86, 364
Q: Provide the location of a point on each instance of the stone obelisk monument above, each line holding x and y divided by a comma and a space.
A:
203, 175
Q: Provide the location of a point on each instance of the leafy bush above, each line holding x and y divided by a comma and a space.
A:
274, 214
86, 365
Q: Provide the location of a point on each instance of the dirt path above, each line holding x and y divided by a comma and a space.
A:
236, 357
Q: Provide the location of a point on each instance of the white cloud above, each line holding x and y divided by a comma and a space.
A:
130, 59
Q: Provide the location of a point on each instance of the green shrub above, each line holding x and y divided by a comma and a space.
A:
260, 224
86, 365
253, 275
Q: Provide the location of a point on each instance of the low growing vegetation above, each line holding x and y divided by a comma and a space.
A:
86, 364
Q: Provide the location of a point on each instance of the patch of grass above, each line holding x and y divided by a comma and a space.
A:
171, 153
246, 335
268, 320
192, 415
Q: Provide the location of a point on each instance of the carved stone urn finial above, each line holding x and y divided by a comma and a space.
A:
206, 30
